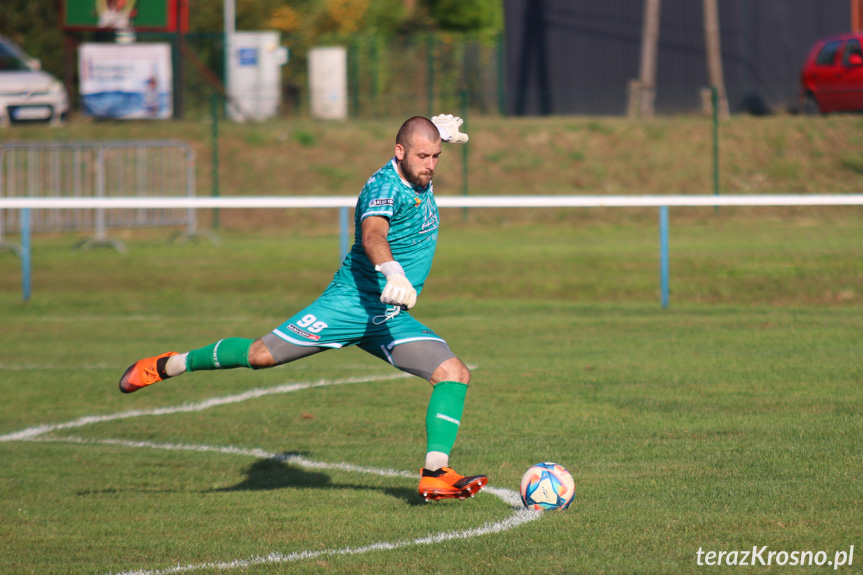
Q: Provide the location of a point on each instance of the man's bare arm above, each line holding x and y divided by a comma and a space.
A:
398, 291
374, 234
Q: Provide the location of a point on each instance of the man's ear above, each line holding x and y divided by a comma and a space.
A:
400, 152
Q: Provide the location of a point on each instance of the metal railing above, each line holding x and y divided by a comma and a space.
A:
344, 203
99, 170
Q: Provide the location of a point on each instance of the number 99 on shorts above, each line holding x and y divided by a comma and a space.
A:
310, 322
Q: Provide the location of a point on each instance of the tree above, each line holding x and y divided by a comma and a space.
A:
467, 15
35, 26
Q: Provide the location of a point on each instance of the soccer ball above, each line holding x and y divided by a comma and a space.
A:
547, 486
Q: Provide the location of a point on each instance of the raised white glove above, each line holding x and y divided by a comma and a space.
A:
448, 125
399, 290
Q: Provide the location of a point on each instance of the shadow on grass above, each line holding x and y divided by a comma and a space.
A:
271, 474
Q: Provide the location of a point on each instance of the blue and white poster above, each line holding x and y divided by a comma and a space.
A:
129, 82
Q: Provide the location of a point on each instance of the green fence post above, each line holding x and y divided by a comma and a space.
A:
374, 73
464, 154
354, 76
214, 117
178, 77
501, 80
430, 60
714, 100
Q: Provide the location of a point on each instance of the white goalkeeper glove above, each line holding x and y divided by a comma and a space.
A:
448, 125
399, 291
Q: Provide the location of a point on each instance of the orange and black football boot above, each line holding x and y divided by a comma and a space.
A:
145, 372
445, 483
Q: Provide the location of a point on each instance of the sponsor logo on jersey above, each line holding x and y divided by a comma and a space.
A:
381, 202
303, 333
430, 219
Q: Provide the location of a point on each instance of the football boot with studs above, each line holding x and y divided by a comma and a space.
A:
445, 483
145, 372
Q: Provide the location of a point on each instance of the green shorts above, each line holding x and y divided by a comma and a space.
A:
343, 316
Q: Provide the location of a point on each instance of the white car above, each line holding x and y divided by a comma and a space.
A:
27, 94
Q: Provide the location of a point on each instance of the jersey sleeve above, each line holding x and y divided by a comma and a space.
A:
412, 234
378, 198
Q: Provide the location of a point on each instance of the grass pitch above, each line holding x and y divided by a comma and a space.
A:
731, 420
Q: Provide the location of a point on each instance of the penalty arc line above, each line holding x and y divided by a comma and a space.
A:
519, 516
36, 431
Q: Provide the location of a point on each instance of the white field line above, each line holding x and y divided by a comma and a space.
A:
33, 432
52, 366
519, 516
231, 450
506, 495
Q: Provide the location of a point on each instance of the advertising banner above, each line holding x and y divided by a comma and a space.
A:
143, 15
127, 82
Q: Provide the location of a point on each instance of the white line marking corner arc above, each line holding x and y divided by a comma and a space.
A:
519, 516
36, 431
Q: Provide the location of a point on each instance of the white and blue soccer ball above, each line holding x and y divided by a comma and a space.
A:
547, 486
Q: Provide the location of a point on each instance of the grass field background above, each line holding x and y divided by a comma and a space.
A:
732, 419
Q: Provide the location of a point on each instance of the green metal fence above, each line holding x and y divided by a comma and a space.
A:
387, 75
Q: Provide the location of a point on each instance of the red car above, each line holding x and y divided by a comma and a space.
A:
832, 77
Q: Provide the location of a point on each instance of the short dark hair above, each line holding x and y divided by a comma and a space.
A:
418, 125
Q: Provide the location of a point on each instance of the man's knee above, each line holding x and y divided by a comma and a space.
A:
271, 350
451, 370
259, 356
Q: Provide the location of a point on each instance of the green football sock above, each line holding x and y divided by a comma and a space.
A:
224, 354
444, 415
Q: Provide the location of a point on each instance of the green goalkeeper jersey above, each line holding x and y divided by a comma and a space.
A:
413, 217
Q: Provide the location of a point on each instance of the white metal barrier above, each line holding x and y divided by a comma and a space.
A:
97, 170
343, 203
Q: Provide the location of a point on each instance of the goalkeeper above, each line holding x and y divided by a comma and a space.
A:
367, 303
